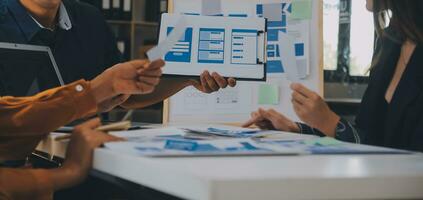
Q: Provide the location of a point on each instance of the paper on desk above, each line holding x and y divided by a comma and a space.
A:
222, 130
211, 7
328, 146
166, 45
324, 141
184, 148
287, 48
153, 132
286, 136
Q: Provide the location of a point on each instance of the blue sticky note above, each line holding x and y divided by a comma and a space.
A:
299, 49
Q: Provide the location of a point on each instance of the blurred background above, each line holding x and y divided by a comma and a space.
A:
348, 47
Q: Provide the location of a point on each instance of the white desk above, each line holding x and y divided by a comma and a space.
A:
267, 178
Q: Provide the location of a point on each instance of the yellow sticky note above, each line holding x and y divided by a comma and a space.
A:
268, 94
301, 9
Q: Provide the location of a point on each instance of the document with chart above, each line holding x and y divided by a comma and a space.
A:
231, 46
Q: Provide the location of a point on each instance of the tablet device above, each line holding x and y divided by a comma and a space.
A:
26, 70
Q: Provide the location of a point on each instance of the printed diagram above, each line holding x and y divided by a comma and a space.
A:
276, 13
277, 21
193, 99
227, 96
211, 46
181, 52
244, 47
274, 64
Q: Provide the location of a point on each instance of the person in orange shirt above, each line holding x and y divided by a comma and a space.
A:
23, 120
41, 183
26, 120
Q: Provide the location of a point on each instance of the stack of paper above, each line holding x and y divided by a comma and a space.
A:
165, 147
218, 140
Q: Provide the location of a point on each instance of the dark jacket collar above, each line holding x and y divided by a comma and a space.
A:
29, 26
25, 22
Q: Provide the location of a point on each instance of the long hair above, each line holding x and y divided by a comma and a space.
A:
405, 16
405, 19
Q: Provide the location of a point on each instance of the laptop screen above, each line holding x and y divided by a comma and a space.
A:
27, 70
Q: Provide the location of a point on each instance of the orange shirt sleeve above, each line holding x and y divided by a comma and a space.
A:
25, 184
37, 115
46, 111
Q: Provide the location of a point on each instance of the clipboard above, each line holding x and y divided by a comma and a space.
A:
231, 46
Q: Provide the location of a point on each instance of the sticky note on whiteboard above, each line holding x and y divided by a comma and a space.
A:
268, 94
301, 9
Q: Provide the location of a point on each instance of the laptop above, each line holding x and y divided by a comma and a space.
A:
26, 70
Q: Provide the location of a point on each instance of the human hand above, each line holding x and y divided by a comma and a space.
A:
113, 102
313, 110
79, 153
271, 120
134, 77
210, 83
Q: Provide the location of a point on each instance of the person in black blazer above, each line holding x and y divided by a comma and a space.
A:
391, 112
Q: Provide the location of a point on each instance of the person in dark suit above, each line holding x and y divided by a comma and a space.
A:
391, 112
84, 46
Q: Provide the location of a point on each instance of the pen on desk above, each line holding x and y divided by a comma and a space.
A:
124, 124
128, 115
119, 126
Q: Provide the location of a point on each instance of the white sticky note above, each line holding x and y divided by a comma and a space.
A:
287, 48
273, 12
211, 7
166, 45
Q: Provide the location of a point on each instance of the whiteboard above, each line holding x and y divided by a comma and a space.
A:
234, 105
